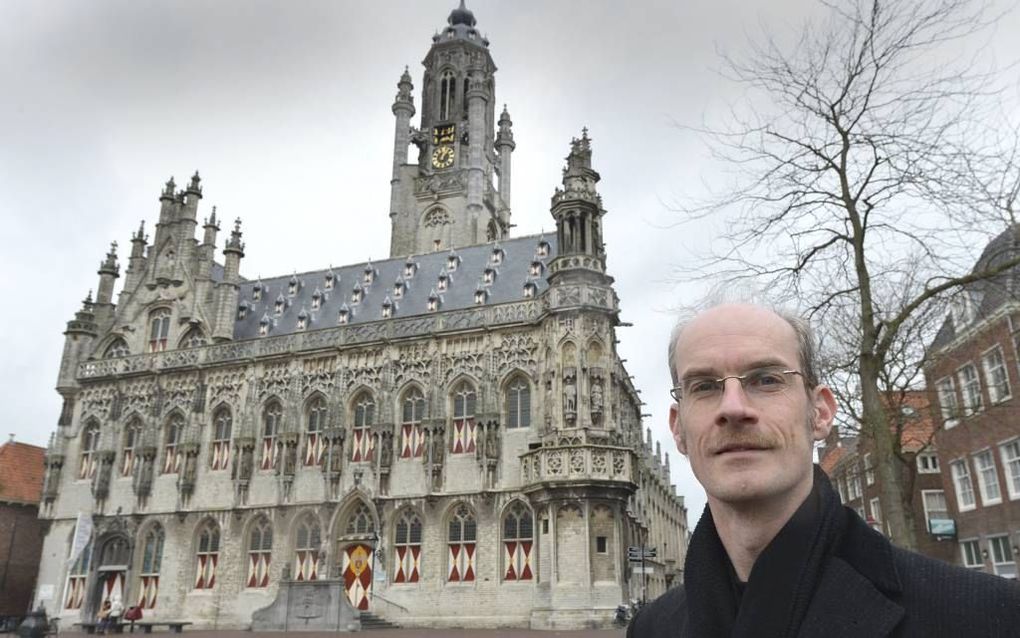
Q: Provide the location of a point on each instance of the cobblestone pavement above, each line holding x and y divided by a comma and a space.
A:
397, 633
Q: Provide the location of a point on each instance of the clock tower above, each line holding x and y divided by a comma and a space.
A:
458, 192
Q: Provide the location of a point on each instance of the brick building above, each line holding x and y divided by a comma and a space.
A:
21, 532
972, 378
848, 462
448, 434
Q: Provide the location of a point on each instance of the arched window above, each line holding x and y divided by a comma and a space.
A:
74, 590
464, 435
172, 443
518, 403
271, 418
447, 91
222, 426
89, 448
412, 440
307, 545
159, 328
152, 558
260, 548
314, 444
407, 548
207, 555
518, 540
361, 522
131, 447
193, 339
462, 537
118, 348
364, 417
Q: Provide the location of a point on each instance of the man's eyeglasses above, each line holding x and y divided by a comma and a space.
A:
755, 383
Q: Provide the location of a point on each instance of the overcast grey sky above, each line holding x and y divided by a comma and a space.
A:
284, 107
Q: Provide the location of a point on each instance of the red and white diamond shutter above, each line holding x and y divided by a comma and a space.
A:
518, 542
462, 539
260, 547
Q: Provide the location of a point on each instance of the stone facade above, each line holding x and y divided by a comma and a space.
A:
449, 436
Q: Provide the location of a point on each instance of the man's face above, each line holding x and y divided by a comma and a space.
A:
747, 448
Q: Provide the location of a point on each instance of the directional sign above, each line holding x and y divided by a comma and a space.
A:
637, 554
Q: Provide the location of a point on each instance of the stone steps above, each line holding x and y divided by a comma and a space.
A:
370, 621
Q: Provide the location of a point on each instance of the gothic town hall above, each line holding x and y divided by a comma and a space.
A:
444, 438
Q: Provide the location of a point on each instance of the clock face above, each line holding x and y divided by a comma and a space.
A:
442, 157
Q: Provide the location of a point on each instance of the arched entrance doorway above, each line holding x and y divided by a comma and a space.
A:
111, 571
355, 542
356, 570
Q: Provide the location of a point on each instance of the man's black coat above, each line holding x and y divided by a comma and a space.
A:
869, 588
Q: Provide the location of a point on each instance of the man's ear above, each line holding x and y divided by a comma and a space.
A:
824, 412
677, 429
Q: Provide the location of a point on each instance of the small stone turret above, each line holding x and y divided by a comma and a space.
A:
137, 260
79, 336
227, 291
504, 147
109, 271
577, 209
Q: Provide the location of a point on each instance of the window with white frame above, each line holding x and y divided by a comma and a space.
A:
159, 328
518, 403
842, 490
854, 486
935, 506
995, 375
948, 406
971, 551
988, 478
875, 505
964, 488
219, 457
1010, 452
1002, 556
207, 556
89, 458
869, 470
260, 551
928, 463
970, 384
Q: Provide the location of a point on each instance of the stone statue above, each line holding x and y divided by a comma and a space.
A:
492, 442
386, 454
569, 397
596, 399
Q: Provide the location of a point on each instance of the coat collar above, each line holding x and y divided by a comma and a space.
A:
847, 605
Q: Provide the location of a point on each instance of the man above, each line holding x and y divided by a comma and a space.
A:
775, 553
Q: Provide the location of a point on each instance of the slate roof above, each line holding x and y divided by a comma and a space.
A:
991, 294
510, 277
22, 470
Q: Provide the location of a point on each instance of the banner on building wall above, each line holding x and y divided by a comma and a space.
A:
82, 534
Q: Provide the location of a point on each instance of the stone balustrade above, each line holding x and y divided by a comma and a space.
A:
578, 462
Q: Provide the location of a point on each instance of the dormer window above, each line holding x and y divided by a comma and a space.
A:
489, 276
536, 268
344, 316
963, 309
398, 288
433, 302
279, 306
530, 288
480, 295
410, 268
497, 256
357, 294
302, 320
543, 248
293, 286
330, 280
368, 276
256, 292
264, 324
387, 308
452, 261
443, 283
316, 299
242, 310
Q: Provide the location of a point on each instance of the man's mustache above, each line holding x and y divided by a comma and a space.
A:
745, 441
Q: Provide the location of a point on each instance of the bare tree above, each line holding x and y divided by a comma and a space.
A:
865, 172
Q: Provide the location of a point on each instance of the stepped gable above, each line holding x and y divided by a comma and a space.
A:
507, 286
